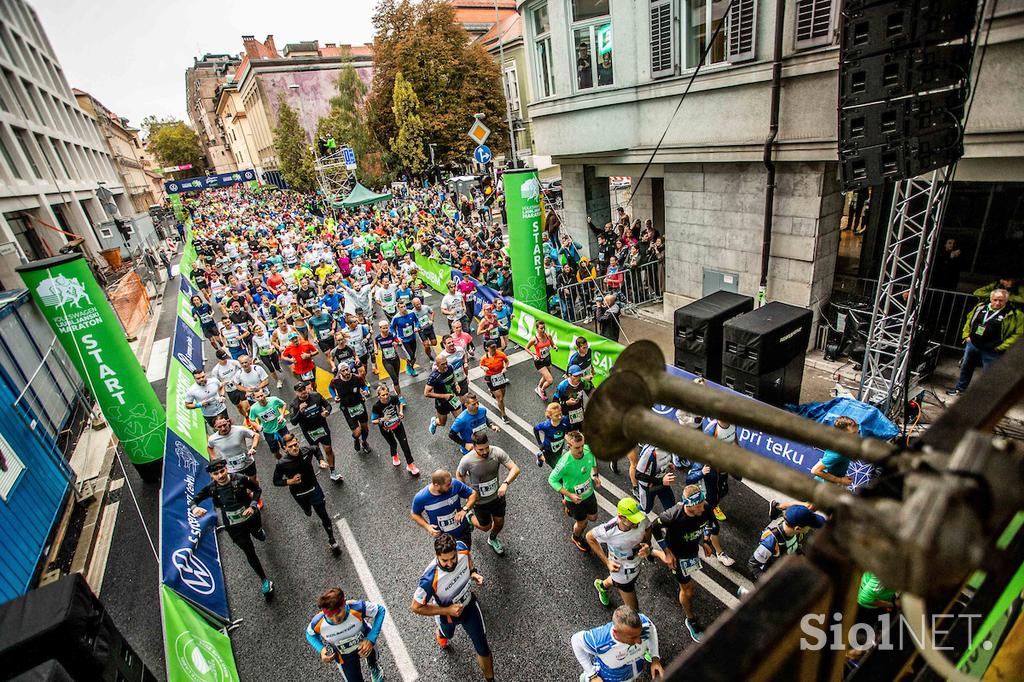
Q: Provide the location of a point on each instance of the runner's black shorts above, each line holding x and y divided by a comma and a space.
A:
678, 573
236, 396
211, 420
625, 587
249, 471
427, 334
325, 440
326, 345
492, 388
582, 511
486, 511
540, 364
211, 331
444, 407
360, 419
310, 500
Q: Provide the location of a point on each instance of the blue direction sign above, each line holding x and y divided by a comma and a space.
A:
482, 154
349, 156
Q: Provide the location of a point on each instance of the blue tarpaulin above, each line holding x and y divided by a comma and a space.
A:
872, 422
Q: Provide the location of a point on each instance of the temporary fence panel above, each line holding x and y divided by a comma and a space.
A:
632, 287
129, 299
33, 486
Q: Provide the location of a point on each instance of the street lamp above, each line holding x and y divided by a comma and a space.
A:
508, 105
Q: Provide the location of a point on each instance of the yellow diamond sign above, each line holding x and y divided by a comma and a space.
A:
478, 132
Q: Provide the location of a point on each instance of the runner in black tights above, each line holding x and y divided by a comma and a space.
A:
387, 413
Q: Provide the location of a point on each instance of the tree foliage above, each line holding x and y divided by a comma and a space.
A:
451, 78
408, 144
174, 143
294, 157
347, 124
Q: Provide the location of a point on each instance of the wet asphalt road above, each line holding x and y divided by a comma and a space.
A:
534, 597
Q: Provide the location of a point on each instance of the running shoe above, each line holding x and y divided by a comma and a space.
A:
267, 587
280, 383
741, 591
413, 372
615, 466
336, 476
725, 559
402, 400
412, 469
335, 548
581, 544
540, 459
261, 535
395, 461
376, 673
259, 505
442, 641
433, 426
366, 447
773, 510
496, 545
539, 391
602, 593
695, 629
505, 419
719, 514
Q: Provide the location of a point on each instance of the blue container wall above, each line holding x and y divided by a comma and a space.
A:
32, 505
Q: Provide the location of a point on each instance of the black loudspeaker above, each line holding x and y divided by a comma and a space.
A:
64, 623
779, 387
698, 331
903, 73
766, 339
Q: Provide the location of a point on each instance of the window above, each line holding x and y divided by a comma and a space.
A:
542, 50
9, 159
43, 147
592, 43
663, 39
815, 23
512, 87
59, 150
734, 43
23, 142
32, 95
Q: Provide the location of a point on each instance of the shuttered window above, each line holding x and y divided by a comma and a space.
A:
11, 467
662, 39
742, 27
815, 23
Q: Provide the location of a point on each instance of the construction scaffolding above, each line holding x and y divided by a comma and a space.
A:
918, 206
333, 176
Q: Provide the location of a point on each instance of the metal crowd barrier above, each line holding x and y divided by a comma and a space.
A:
633, 287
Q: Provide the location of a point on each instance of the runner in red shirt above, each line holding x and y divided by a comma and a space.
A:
299, 353
462, 340
276, 282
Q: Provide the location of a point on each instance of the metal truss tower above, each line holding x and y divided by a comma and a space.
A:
334, 179
918, 207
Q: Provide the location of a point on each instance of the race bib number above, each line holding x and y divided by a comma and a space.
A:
493, 333
317, 433
556, 446
388, 352
355, 410
455, 402
349, 645
460, 374
206, 318
583, 489
576, 415
630, 570
269, 417
407, 330
545, 352
499, 379
479, 427
325, 333
230, 386
237, 462
447, 522
488, 488
391, 423
234, 517
689, 566
307, 376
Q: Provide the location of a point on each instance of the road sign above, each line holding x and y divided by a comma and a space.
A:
478, 132
350, 157
482, 154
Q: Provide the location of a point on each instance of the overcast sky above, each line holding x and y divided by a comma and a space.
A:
132, 55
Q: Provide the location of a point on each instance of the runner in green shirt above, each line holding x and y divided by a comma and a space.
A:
872, 594
387, 249
268, 412
575, 476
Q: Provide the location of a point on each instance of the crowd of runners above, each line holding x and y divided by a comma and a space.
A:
308, 315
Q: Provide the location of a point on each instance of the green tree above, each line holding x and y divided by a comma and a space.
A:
451, 78
152, 123
175, 144
294, 156
346, 123
409, 142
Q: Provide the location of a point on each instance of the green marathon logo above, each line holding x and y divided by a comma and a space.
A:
59, 291
199, 660
530, 190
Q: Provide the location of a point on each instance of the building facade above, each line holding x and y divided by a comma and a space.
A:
305, 77
125, 147
201, 82
478, 17
53, 157
607, 75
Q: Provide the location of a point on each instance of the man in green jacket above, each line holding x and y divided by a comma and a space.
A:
1013, 285
991, 328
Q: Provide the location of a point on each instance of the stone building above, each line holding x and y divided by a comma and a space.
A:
201, 82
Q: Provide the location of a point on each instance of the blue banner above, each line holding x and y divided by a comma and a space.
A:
189, 557
209, 181
188, 346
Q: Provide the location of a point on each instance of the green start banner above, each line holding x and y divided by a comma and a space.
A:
522, 209
433, 273
71, 300
564, 335
195, 650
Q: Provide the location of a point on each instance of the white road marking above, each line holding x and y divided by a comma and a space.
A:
157, 368
708, 584
406, 668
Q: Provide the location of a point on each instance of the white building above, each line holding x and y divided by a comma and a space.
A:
52, 155
606, 76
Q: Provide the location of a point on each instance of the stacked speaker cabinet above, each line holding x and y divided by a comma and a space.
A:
763, 352
903, 81
698, 332
61, 631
